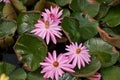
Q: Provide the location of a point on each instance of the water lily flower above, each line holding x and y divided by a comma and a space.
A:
53, 14
96, 76
4, 77
54, 66
47, 29
78, 54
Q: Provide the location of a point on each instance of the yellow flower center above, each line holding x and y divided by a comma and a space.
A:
47, 24
55, 63
78, 50
4, 77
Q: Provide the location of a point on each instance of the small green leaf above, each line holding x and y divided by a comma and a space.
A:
103, 51
71, 27
63, 2
87, 27
89, 69
85, 6
30, 50
111, 73
112, 19
26, 21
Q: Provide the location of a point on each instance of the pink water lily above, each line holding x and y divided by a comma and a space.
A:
54, 67
53, 14
47, 29
78, 54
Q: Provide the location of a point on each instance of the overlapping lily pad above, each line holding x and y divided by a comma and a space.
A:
11, 71
26, 21
31, 51
103, 51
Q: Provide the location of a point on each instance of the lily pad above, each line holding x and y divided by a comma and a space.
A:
26, 21
112, 19
87, 27
30, 50
7, 28
89, 69
111, 73
71, 28
63, 2
36, 75
85, 6
12, 72
103, 51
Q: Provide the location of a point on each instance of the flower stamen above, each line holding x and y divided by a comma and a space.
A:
47, 24
55, 64
78, 50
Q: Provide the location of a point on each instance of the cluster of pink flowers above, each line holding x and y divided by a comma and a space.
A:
6, 1
54, 66
49, 27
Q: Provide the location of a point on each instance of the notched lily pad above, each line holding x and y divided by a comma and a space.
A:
30, 50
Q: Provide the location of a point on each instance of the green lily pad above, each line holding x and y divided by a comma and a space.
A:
89, 69
11, 71
7, 28
111, 73
63, 2
71, 28
26, 21
103, 51
30, 50
85, 6
104, 8
6, 68
87, 27
112, 19
36, 75
18, 74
